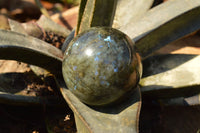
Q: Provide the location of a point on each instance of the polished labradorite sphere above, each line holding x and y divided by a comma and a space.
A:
100, 66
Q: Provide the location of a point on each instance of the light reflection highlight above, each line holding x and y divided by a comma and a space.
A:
89, 52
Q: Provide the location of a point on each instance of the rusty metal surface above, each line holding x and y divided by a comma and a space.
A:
120, 118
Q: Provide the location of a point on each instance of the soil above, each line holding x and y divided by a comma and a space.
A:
31, 119
54, 39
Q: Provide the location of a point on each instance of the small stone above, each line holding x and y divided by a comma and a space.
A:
101, 65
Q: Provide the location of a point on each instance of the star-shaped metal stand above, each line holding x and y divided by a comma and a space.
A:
164, 76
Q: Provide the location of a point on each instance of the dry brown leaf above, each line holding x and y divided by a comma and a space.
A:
67, 18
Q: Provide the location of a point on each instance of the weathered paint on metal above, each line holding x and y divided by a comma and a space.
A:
171, 75
120, 118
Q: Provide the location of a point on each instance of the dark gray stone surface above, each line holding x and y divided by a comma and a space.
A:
101, 65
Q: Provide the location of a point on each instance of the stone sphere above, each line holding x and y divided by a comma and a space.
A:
101, 65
